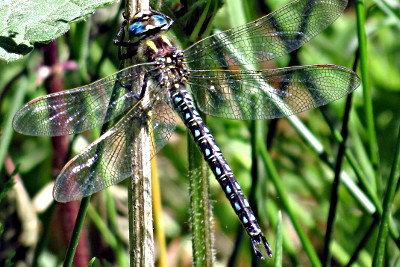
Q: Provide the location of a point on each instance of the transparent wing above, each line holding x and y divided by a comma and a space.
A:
271, 36
108, 160
268, 94
82, 108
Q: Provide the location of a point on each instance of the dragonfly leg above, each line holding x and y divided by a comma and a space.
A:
119, 41
143, 91
121, 32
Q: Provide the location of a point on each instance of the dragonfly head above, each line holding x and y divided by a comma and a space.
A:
146, 23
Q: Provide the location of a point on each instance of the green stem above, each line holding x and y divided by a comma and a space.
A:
112, 214
318, 148
73, 243
81, 47
200, 208
368, 109
7, 132
387, 205
279, 238
286, 202
335, 184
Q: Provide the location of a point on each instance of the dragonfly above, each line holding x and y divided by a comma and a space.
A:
215, 75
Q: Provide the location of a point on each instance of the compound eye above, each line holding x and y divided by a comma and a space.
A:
136, 28
159, 20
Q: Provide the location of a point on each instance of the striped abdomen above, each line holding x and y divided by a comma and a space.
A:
183, 103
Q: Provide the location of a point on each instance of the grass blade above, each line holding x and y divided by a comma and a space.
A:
387, 205
368, 109
279, 238
286, 202
200, 208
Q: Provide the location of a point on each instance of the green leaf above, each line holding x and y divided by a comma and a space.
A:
91, 262
9, 261
25, 22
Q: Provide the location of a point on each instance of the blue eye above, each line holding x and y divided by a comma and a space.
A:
136, 28
159, 20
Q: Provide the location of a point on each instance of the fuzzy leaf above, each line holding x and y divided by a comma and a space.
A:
25, 22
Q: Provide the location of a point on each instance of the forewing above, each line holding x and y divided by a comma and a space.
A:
271, 36
268, 94
83, 108
109, 159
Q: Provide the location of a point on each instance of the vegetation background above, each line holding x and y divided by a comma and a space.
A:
299, 203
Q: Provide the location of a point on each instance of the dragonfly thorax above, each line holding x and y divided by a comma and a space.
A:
173, 69
158, 46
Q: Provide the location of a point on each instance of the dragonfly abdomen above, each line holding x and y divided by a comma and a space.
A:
184, 105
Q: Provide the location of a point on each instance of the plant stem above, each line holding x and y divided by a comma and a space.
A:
73, 243
200, 208
157, 215
335, 184
368, 109
141, 247
286, 202
278, 247
69, 211
387, 205
7, 132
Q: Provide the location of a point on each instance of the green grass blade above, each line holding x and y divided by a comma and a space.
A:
334, 199
368, 109
7, 132
287, 204
73, 243
200, 208
387, 205
278, 242
112, 213
318, 148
